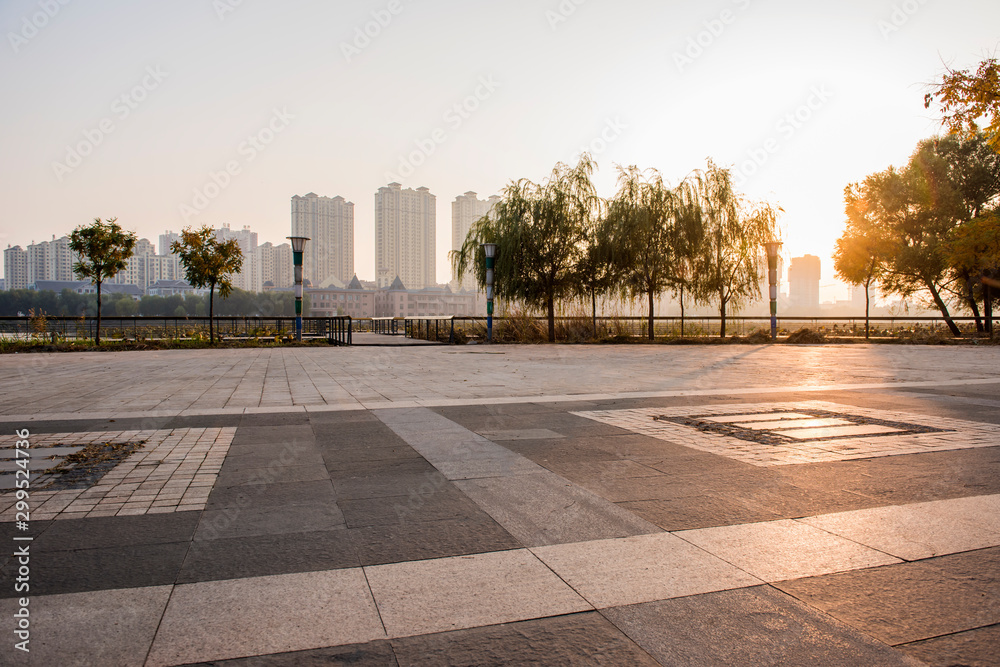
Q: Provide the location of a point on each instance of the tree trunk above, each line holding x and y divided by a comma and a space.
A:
211, 314
593, 304
722, 317
973, 306
944, 310
682, 311
551, 304
988, 307
97, 336
651, 336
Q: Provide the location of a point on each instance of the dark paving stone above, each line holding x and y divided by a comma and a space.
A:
102, 569
235, 558
577, 639
203, 421
697, 512
399, 452
255, 520
445, 502
276, 494
373, 654
973, 648
322, 420
277, 435
363, 436
256, 420
79, 425
750, 626
272, 474
117, 531
910, 601
248, 457
408, 541
907, 478
8, 530
391, 467
380, 486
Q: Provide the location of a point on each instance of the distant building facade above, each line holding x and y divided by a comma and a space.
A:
15, 267
50, 260
274, 266
394, 300
329, 225
405, 228
803, 282
466, 210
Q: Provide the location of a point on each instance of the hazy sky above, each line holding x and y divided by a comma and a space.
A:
128, 108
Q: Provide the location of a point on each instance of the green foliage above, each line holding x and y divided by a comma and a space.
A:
104, 249
208, 263
966, 98
540, 231
729, 264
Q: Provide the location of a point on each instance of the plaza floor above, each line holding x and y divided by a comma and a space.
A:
545, 505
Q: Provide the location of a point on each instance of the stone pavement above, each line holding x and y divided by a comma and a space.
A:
565, 505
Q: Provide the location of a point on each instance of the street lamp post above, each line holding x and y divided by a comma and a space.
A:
491, 252
298, 246
772, 281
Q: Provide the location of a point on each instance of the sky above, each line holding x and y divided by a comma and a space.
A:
212, 112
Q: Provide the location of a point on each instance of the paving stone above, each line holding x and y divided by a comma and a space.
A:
59, 572
274, 435
254, 520
578, 639
522, 434
751, 626
691, 512
920, 530
272, 474
112, 627
274, 494
973, 648
785, 549
378, 486
216, 620
411, 541
910, 602
445, 502
559, 511
609, 573
467, 591
261, 555
376, 653
108, 532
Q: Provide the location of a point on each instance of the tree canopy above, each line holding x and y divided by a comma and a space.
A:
967, 98
210, 263
104, 249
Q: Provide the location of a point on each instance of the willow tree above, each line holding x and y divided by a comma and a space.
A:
595, 272
104, 249
541, 232
209, 263
731, 261
651, 234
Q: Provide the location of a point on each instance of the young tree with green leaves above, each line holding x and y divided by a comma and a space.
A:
209, 263
541, 232
731, 261
104, 249
859, 254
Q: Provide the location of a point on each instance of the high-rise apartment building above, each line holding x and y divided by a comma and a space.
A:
803, 282
166, 240
247, 278
405, 236
466, 210
329, 225
15, 267
50, 260
145, 267
274, 264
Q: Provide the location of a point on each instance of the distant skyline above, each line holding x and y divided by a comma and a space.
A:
219, 111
